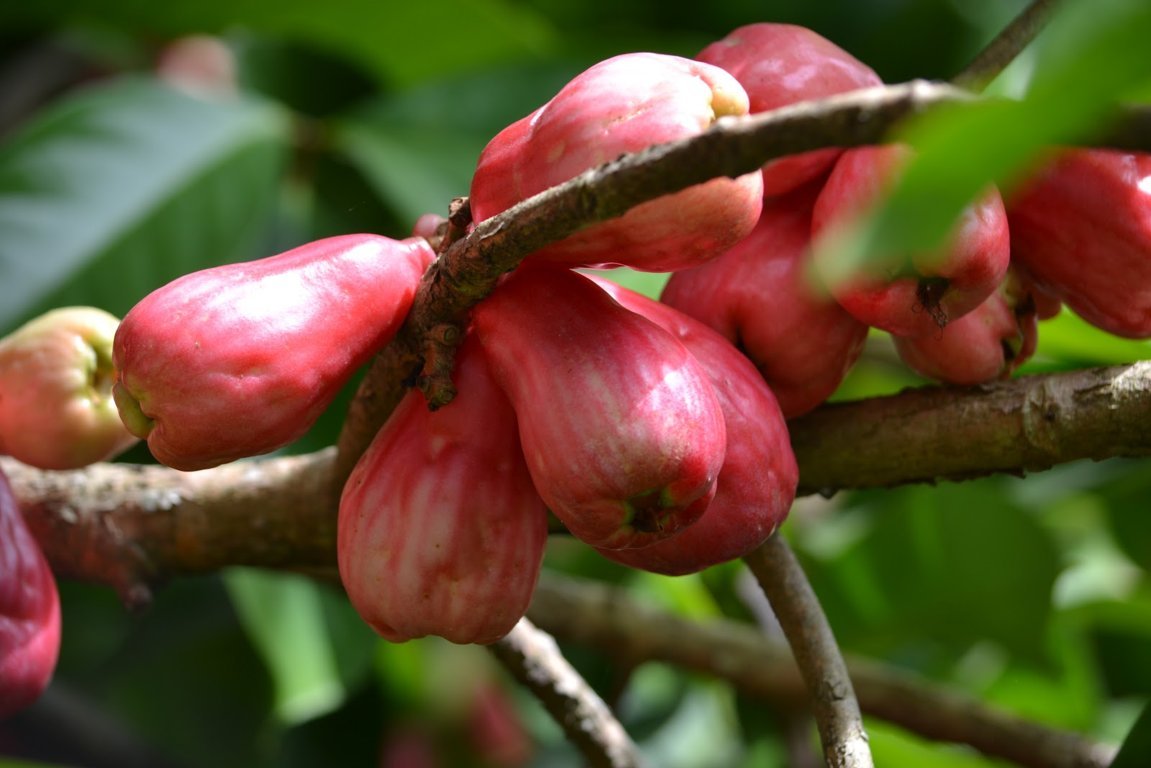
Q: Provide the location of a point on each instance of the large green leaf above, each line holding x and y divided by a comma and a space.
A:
398, 42
1136, 750
1094, 58
125, 186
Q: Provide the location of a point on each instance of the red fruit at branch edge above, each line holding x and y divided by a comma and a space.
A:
625, 104
907, 294
56, 407
1081, 228
757, 483
760, 295
441, 531
29, 610
241, 359
988, 343
781, 64
620, 425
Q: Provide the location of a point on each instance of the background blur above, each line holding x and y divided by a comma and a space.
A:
139, 143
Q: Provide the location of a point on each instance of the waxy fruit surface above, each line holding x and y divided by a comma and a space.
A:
241, 359
1081, 227
441, 531
757, 483
907, 294
29, 611
986, 344
782, 64
56, 406
625, 104
620, 425
760, 295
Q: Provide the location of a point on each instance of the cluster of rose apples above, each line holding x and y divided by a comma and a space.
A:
653, 430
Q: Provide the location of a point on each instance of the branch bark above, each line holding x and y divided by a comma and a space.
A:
833, 701
534, 659
129, 526
1006, 46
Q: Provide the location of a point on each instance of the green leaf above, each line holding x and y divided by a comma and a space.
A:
284, 616
123, 187
1136, 749
400, 43
418, 149
1094, 58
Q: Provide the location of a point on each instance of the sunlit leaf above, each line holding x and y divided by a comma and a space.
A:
1094, 60
121, 188
1136, 749
284, 617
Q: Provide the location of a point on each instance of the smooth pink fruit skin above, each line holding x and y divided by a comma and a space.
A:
757, 483
29, 611
1081, 227
241, 359
782, 64
971, 266
760, 295
56, 408
441, 531
988, 343
622, 430
625, 104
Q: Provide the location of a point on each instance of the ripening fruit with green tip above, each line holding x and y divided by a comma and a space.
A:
56, 405
625, 104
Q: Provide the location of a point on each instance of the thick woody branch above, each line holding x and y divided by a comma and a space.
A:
534, 659
946, 433
817, 655
129, 526
606, 618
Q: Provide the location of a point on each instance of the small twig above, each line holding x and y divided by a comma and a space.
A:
534, 659
817, 655
1006, 46
598, 615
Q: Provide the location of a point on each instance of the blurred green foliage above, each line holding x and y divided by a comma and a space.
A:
1030, 593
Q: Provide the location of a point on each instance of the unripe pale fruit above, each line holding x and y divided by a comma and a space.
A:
441, 531
625, 104
760, 294
620, 425
29, 611
757, 483
988, 343
1081, 227
781, 64
241, 359
908, 294
56, 406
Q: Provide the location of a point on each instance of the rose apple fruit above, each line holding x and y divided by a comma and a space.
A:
1081, 227
781, 64
760, 294
988, 343
56, 406
913, 294
757, 482
29, 611
621, 428
241, 359
625, 104
441, 531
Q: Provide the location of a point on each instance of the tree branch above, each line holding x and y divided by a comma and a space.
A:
833, 702
1006, 46
929, 434
606, 618
534, 659
131, 526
